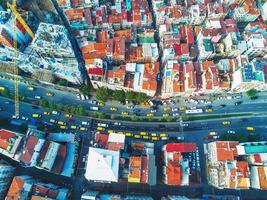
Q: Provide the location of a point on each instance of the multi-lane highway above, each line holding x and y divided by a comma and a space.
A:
194, 131
69, 97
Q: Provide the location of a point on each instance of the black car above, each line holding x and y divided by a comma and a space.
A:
238, 103
223, 105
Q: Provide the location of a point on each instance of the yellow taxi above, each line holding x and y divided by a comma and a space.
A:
145, 137
73, 127
165, 115
213, 133
250, 128
61, 123
99, 128
143, 133
36, 115
167, 108
154, 134
128, 134
124, 113
120, 132
209, 110
47, 113
68, 115
150, 115
50, 94
182, 108
63, 127
137, 136
83, 129
113, 109
53, 121
110, 131
163, 135
101, 103
155, 138
226, 122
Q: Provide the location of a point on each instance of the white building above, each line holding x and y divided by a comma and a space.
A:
102, 165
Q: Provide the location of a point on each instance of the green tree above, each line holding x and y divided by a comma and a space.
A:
23, 128
84, 89
62, 82
102, 94
184, 117
6, 93
119, 95
141, 97
134, 118
101, 115
80, 110
252, 93
4, 121
43, 103
129, 95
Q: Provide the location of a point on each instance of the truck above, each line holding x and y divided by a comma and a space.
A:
94, 108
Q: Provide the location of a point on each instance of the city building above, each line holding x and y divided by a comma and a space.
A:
9, 142
102, 165
237, 165
176, 168
25, 187
6, 175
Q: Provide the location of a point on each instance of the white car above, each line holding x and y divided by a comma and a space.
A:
176, 114
231, 132
174, 109
15, 117
129, 107
37, 97
117, 123
25, 118
55, 112
185, 125
85, 123
216, 137
180, 138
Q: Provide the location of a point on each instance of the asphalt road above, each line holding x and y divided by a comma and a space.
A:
67, 97
194, 132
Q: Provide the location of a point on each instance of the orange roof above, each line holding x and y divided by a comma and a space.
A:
149, 85
15, 189
226, 151
262, 177
174, 173
206, 64
123, 33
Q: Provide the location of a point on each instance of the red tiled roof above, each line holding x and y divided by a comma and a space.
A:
95, 71
180, 147
60, 159
174, 173
101, 139
29, 149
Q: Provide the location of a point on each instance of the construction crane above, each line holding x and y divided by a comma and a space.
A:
15, 57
